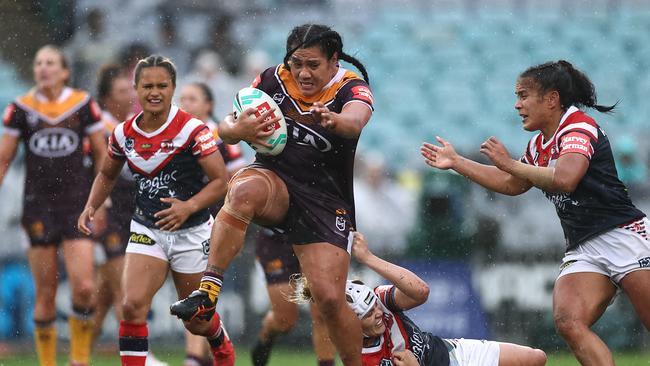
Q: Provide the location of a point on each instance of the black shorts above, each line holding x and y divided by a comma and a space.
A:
276, 256
48, 226
314, 218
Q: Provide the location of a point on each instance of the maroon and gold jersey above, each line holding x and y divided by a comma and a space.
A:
315, 158
164, 162
600, 202
52, 132
401, 334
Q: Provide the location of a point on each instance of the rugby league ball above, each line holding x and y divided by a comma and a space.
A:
256, 98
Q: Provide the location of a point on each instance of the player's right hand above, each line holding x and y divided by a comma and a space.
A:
88, 215
256, 129
441, 156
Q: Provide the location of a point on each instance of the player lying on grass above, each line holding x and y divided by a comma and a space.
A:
391, 338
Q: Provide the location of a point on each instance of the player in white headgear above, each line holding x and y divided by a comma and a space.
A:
391, 338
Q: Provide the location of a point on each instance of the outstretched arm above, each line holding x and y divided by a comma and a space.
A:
563, 177
349, 123
411, 290
444, 157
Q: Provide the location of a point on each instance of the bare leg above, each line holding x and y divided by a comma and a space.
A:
579, 299
283, 314
320, 337
43, 263
326, 268
278, 320
109, 292
637, 287
515, 355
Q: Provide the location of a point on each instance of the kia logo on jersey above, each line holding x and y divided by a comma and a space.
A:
54, 142
304, 135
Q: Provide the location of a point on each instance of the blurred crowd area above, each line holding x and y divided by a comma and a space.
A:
442, 67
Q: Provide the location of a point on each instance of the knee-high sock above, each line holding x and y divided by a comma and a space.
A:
133, 343
45, 339
81, 335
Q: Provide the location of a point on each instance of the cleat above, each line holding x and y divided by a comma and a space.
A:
198, 304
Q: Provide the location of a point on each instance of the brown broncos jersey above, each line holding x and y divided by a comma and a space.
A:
314, 158
52, 133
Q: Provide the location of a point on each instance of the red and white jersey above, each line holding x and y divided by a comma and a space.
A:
601, 201
164, 162
400, 334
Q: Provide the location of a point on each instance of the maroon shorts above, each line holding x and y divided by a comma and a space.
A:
49, 226
276, 256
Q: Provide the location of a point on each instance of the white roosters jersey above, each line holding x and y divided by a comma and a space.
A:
164, 162
600, 201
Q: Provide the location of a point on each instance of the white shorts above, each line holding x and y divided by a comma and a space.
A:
614, 253
472, 352
186, 250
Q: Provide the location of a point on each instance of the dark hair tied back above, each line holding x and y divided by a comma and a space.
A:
573, 86
155, 61
329, 41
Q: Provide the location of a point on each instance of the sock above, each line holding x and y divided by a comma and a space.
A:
215, 333
133, 343
261, 352
81, 335
45, 339
211, 284
326, 363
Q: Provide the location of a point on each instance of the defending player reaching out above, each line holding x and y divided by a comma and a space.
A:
52, 120
391, 338
307, 189
571, 161
169, 153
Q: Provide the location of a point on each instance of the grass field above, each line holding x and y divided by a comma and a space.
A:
285, 357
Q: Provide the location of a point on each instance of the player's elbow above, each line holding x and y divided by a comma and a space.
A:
564, 185
422, 292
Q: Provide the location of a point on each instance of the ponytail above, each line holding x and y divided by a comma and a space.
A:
573, 86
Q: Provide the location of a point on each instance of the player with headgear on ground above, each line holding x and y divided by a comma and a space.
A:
390, 337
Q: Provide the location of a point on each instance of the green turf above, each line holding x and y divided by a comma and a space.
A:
285, 357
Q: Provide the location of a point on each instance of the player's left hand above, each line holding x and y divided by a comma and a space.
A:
173, 217
323, 115
497, 152
404, 358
